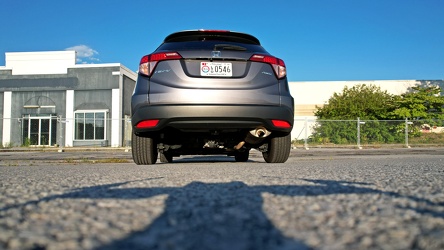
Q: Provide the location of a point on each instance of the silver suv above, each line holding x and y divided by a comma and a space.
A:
211, 92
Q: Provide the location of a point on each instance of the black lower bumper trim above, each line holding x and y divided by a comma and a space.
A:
184, 117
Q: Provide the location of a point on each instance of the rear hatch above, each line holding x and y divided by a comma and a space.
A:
213, 67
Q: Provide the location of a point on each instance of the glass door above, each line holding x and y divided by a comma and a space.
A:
39, 130
34, 129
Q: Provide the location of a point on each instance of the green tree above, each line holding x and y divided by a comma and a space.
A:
365, 101
421, 103
368, 102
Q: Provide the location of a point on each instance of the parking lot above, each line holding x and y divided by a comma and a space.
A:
28, 156
318, 199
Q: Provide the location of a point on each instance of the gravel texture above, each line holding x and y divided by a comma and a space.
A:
317, 200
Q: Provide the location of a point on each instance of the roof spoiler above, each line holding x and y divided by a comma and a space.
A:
204, 35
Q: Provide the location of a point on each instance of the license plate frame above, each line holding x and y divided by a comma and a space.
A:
216, 69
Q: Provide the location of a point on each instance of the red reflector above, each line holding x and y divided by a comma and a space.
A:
281, 124
147, 124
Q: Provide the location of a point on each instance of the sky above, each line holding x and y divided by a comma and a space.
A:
319, 40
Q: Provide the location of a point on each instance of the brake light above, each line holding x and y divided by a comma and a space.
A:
148, 63
278, 65
214, 30
147, 124
281, 124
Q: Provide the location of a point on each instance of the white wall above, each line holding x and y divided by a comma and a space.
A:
308, 95
7, 108
319, 92
70, 122
37, 63
116, 128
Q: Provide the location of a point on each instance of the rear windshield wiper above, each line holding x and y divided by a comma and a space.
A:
229, 47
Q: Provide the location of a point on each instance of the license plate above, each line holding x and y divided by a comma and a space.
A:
216, 69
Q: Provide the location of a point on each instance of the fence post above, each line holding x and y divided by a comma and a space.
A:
407, 132
61, 122
359, 133
20, 122
306, 134
128, 133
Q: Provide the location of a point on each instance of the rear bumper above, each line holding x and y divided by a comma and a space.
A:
212, 117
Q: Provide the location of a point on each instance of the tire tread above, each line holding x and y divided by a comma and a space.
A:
278, 149
143, 150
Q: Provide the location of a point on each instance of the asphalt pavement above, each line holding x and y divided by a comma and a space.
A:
318, 199
28, 156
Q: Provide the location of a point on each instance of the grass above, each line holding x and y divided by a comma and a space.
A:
6, 145
433, 139
428, 138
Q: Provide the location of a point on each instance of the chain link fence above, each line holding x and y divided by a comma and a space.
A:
87, 130
367, 133
96, 131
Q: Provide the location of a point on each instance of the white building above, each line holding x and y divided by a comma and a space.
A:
47, 99
309, 95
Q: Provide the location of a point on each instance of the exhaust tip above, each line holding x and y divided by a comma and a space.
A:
260, 132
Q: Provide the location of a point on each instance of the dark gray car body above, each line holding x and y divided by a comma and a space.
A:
193, 110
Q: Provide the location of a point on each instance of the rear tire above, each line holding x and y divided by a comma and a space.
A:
144, 150
278, 149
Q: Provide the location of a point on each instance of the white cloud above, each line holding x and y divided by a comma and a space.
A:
84, 54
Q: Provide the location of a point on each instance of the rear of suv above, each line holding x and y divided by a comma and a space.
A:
211, 92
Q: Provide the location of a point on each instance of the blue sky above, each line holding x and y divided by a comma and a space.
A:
319, 40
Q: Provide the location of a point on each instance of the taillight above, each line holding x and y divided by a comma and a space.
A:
277, 64
147, 124
148, 63
214, 30
281, 124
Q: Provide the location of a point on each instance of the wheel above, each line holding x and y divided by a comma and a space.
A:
144, 150
278, 149
166, 157
242, 156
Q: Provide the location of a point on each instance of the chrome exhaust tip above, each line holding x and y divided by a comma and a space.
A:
253, 137
260, 132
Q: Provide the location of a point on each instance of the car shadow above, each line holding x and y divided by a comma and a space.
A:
215, 215
204, 158
211, 158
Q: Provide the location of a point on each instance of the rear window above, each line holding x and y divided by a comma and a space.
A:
202, 35
211, 45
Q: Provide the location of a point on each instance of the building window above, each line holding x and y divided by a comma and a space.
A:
90, 125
